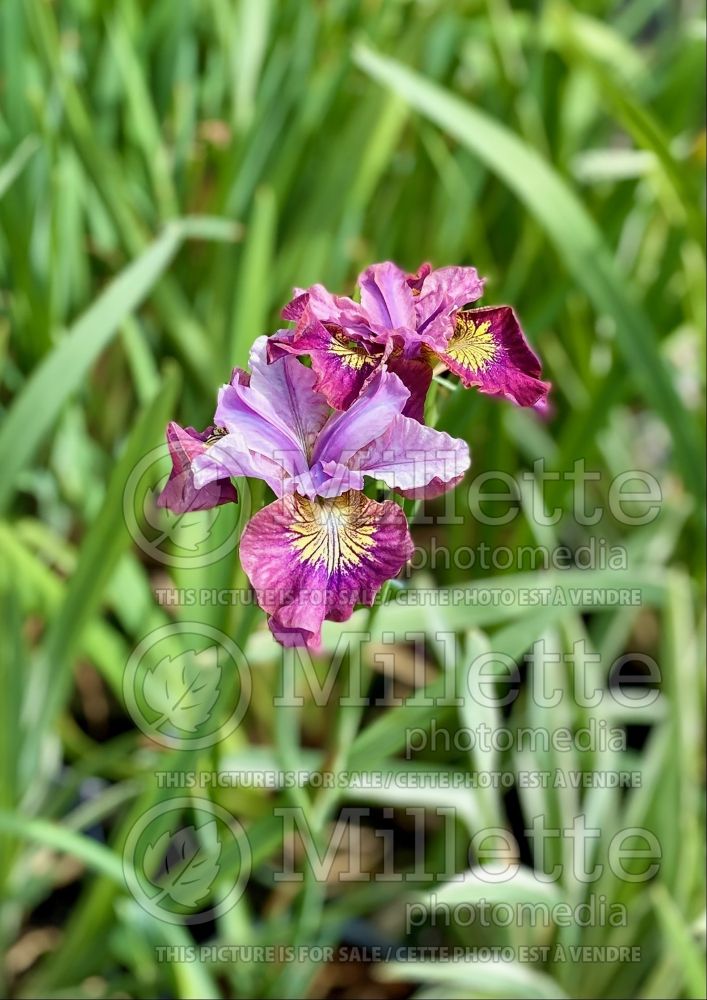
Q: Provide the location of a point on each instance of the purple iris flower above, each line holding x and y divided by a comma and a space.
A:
323, 546
180, 494
412, 323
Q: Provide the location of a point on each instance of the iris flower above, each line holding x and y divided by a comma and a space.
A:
412, 323
322, 546
180, 494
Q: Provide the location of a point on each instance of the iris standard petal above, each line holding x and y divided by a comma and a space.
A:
324, 307
314, 560
414, 459
382, 398
442, 293
386, 296
293, 309
284, 394
416, 280
253, 433
273, 419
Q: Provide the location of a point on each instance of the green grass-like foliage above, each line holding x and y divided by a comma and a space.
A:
169, 170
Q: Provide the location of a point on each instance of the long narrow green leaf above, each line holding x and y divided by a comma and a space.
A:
250, 36
254, 286
679, 942
106, 540
36, 408
12, 168
476, 978
12, 656
97, 856
576, 237
104, 861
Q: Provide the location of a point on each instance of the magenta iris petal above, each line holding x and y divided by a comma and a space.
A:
295, 307
338, 478
231, 452
272, 424
414, 459
180, 493
386, 297
314, 560
285, 396
382, 399
416, 280
455, 286
341, 364
400, 319
435, 488
250, 430
416, 311
416, 376
489, 350
323, 307
443, 292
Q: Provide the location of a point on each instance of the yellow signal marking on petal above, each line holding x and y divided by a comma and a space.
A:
472, 344
218, 432
349, 355
331, 532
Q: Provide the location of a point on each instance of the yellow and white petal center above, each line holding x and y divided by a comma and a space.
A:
472, 344
331, 533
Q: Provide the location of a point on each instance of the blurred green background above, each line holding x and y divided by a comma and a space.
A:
169, 170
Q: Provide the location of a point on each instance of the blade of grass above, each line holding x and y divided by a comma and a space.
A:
101, 859
474, 978
95, 855
254, 286
35, 410
12, 168
106, 540
679, 942
250, 37
12, 655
